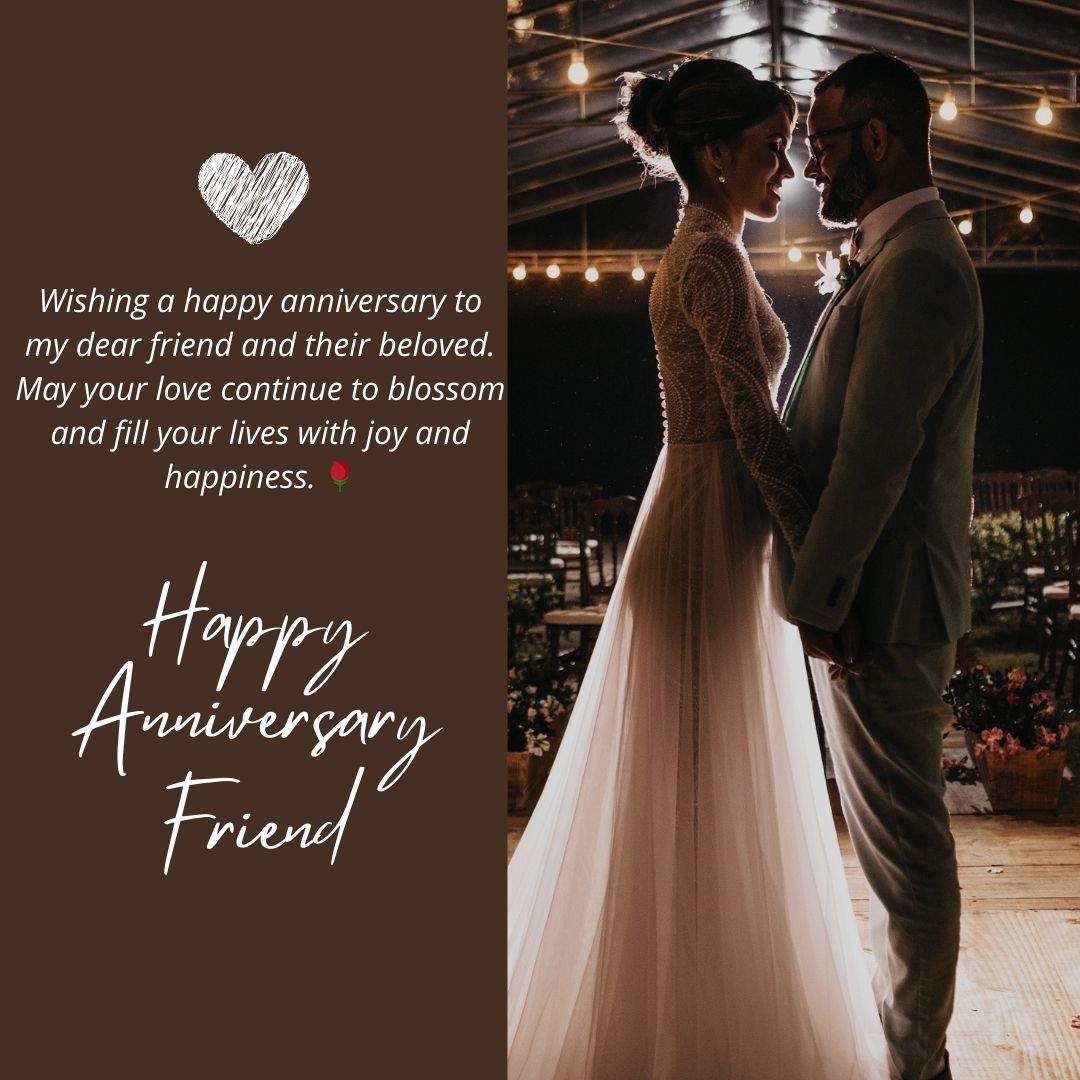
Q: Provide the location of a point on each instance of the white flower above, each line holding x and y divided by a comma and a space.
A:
536, 745
831, 272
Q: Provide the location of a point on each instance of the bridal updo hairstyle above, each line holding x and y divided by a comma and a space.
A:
702, 102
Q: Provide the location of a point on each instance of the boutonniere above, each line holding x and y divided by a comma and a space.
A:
836, 273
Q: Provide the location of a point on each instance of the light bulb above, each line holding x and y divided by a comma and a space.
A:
553, 271
519, 272
965, 226
592, 274
1027, 215
1044, 114
638, 273
947, 109
577, 72
794, 254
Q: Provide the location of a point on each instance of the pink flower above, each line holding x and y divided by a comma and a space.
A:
1012, 746
1045, 736
1041, 752
1016, 677
992, 737
1063, 732
980, 749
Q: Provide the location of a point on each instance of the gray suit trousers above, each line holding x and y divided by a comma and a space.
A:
884, 730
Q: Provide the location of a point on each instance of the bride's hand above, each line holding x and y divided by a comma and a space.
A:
855, 654
820, 644
840, 650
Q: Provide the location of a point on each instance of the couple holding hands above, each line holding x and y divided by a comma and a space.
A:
677, 904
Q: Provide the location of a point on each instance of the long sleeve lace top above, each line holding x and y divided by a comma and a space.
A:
721, 349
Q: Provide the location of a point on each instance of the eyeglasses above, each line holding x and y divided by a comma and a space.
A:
813, 143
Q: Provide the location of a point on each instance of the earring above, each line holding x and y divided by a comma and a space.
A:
722, 178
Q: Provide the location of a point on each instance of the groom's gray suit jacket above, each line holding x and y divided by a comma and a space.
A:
882, 416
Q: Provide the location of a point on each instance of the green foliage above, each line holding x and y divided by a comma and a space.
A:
525, 608
997, 562
538, 695
538, 692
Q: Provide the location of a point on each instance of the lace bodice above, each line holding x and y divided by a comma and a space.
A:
721, 349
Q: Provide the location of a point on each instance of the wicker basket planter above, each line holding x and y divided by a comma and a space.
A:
1022, 781
517, 779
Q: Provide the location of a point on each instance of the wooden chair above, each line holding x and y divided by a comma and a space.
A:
1034, 565
1061, 600
1053, 530
532, 532
996, 492
606, 525
1071, 655
1051, 482
567, 500
1069, 661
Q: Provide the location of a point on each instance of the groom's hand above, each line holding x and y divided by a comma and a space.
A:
855, 653
840, 651
818, 643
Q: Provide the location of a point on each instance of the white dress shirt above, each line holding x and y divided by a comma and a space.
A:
878, 222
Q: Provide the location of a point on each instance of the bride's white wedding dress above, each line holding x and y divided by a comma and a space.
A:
677, 904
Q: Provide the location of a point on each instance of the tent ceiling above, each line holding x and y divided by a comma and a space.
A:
563, 153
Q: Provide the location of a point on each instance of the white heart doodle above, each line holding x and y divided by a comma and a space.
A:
253, 203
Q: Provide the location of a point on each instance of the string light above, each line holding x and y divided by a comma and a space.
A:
595, 264
947, 109
577, 72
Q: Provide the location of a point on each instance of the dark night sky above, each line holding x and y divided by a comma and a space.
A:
583, 384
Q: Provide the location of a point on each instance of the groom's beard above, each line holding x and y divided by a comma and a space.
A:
848, 190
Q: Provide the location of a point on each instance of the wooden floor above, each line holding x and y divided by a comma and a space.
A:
1018, 984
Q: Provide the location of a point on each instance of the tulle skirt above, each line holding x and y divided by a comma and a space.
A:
677, 903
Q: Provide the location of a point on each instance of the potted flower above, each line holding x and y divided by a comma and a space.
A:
538, 700
1015, 731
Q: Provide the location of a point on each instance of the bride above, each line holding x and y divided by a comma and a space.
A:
677, 904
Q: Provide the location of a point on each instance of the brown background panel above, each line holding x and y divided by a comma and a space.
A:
254, 963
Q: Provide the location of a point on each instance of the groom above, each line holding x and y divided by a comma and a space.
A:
882, 415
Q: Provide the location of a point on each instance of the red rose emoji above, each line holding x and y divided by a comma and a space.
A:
339, 473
